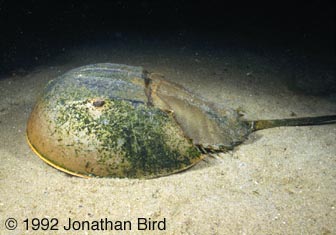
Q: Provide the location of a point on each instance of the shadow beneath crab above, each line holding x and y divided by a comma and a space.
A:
206, 163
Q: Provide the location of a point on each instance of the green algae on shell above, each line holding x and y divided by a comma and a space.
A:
140, 140
112, 120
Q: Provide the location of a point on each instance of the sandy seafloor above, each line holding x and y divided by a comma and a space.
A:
280, 181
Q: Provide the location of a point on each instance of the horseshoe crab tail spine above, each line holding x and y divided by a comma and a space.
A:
305, 121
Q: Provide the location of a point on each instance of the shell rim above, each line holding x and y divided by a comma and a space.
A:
52, 163
49, 162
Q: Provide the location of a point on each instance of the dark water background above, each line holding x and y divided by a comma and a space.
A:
33, 32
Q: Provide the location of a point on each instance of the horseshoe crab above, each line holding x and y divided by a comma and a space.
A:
112, 120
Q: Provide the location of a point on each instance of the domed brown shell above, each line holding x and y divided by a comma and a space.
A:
97, 121
112, 120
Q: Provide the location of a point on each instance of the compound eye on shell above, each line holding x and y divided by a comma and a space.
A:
98, 103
